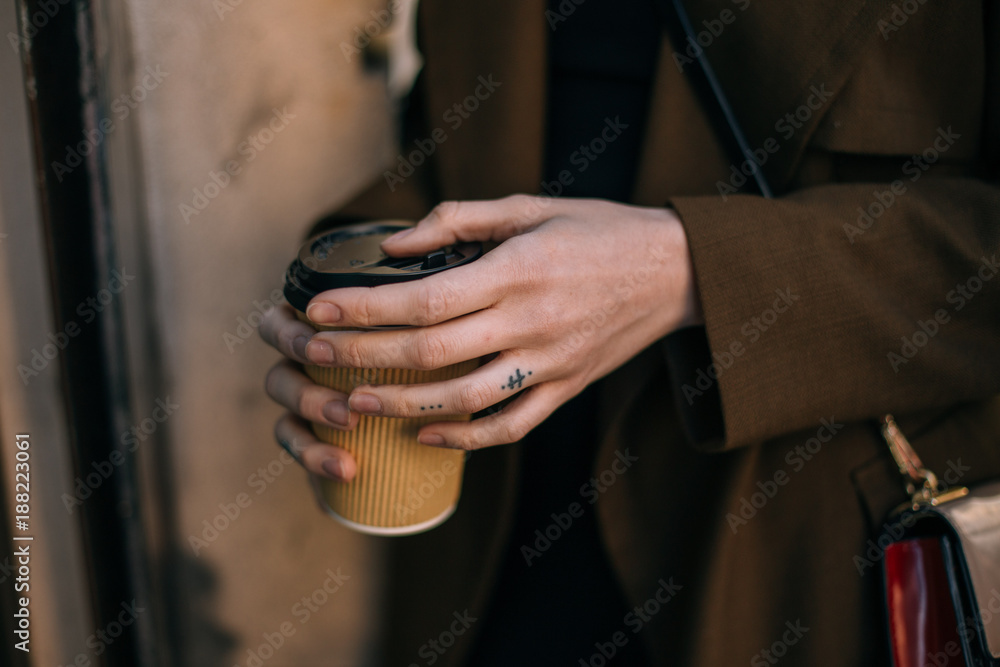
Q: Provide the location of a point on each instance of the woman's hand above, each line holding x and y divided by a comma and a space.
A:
574, 289
305, 400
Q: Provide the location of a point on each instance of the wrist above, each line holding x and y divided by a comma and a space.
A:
684, 287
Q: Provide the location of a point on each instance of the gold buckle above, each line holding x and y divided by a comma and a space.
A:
921, 484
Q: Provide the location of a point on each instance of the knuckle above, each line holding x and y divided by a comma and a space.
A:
473, 397
432, 303
278, 326
469, 441
266, 328
520, 200
529, 261
446, 211
511, 429
349, 353
364, 309
429, 350
402, 400
285, 336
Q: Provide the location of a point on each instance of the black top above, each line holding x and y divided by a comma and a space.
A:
556, 610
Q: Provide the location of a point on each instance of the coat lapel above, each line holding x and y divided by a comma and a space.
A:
488, 58
772, 62
782, 67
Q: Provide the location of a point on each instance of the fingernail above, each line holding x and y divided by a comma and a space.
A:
299, 346
337, 412
334, 468
430, 439
366, 404
319, 352
323, 313
399, 235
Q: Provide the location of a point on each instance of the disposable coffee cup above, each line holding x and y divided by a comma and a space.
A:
401, 487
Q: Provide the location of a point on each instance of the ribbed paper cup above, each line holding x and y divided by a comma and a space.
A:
401, 487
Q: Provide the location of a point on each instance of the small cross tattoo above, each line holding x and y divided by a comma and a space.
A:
515, 381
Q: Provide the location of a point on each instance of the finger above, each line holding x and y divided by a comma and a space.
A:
282, 330
314, 455
421, 348
488, 385
487, 220
509, 424
420, 303
292, 388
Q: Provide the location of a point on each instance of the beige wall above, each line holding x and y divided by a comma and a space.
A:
227, 74
199, 81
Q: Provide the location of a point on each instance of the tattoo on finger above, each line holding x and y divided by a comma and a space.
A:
515, 381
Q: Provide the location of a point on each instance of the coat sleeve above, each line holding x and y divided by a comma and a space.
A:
808, 314
879, 292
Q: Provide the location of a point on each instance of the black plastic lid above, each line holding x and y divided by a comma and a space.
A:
352, 257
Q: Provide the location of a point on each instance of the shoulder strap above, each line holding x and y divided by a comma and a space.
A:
709, 90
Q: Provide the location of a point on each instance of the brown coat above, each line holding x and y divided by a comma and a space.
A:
872, 85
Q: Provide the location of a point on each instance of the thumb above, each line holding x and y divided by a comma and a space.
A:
454, 221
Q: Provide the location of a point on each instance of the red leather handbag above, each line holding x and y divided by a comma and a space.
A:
941, 568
